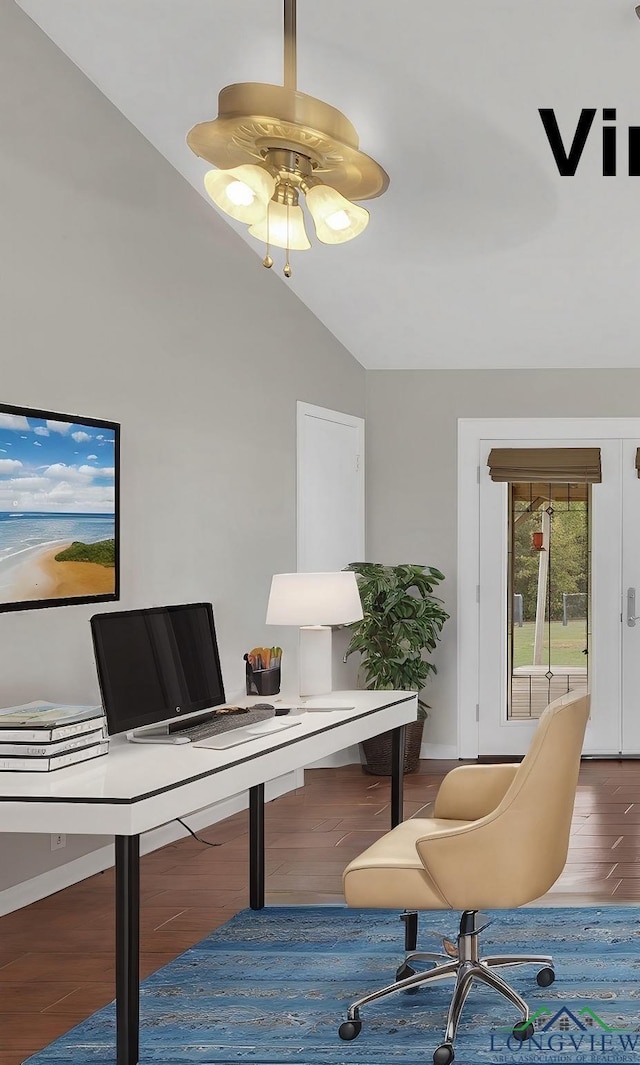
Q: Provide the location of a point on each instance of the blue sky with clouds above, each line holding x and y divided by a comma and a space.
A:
55, 466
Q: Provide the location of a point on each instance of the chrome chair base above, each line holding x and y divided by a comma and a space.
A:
462, 962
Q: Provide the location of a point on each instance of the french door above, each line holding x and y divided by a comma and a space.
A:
596, 642
630, 630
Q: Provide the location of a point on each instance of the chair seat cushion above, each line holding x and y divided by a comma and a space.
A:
389, 874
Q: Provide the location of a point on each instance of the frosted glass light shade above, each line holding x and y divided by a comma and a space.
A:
243, 192
283, 227
314, 599
336, 218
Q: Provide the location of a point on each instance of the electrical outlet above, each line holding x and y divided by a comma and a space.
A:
58, 841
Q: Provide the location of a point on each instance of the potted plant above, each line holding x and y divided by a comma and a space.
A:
402, 622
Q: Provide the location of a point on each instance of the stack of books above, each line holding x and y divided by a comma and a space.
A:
39, 737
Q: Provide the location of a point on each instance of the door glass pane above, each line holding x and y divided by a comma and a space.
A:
548, 608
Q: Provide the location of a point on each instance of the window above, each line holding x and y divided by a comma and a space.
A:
548, 587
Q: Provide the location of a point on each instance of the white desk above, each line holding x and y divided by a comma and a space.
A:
139, 787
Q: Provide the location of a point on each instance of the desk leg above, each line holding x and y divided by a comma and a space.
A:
397, 775
256, 847
127, 949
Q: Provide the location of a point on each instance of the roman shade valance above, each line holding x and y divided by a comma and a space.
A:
546, 465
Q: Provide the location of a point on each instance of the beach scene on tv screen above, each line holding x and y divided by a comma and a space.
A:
57, 509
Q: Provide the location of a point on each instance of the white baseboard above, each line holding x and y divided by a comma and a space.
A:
39, 887
438, 750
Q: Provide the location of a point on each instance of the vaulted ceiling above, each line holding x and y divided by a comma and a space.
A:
480, 254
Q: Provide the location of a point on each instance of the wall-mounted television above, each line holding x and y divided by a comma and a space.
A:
59, 509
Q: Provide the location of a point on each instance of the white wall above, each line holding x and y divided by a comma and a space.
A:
412, 426
123, 296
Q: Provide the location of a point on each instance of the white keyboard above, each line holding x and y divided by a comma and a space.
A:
245, 733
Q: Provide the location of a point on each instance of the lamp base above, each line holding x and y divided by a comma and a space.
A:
314, 660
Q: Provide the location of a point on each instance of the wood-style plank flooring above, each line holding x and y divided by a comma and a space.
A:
56, 956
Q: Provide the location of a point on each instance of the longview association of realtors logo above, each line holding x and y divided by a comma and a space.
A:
566, 1035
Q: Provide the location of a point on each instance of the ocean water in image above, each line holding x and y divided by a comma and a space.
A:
25, 534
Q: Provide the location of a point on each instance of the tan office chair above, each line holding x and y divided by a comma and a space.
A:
498, 838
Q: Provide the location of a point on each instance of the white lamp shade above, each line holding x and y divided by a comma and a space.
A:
243, 192
314, 599
282, 227
336, 218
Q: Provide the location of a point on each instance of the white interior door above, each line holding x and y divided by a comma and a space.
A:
613, 643
331, 516
331, 523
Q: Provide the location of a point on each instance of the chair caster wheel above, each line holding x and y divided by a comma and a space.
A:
522, 1032
545, 977
349, 1030
443, 1055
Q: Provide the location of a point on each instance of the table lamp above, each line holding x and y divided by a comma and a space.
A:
314, 602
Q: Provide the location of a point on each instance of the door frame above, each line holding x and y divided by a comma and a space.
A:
472, 435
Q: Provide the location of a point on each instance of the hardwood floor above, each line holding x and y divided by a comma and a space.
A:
56, 956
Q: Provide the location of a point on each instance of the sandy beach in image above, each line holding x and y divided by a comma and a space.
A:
44, 578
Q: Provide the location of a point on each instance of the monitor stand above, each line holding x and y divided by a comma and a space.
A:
169, 731
143, 736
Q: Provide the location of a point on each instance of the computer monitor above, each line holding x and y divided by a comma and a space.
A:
157, 665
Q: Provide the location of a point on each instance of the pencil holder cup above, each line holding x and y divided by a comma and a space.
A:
263, 681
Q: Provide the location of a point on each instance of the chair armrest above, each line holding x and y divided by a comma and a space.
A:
492, 863
469, 792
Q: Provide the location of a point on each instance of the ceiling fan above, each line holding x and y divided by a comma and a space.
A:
274, 148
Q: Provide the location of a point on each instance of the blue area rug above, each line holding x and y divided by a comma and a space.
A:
271, 988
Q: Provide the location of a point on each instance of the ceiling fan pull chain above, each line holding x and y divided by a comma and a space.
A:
287, 265
268, 261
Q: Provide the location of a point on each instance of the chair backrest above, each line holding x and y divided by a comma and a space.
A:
542, 794
514, 853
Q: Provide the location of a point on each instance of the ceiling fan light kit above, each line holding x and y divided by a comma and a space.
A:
243, 192
282, 226
274, 148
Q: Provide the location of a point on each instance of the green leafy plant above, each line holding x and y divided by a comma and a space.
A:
402, 623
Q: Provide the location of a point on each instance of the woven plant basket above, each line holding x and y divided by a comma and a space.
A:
377, 751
